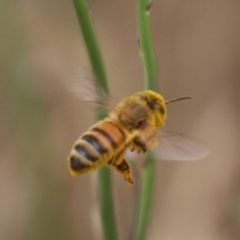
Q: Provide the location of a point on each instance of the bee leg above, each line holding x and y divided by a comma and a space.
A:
139, 145
122, 167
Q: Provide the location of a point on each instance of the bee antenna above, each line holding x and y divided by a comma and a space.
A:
177, 99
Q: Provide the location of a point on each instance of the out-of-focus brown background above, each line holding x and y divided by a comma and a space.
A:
197, 47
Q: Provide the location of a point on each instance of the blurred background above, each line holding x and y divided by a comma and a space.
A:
197, 47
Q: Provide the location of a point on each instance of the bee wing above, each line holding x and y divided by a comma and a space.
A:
176, 146
87, 89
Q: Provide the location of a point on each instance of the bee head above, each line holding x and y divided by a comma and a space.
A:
156, 106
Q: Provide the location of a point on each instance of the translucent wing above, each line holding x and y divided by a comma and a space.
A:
176, 146
86, 88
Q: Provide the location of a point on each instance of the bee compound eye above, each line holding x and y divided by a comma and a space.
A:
141, 123
154, 104
157, 106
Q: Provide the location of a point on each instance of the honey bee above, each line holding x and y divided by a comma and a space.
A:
134, 124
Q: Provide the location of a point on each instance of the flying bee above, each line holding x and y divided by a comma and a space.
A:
134, 124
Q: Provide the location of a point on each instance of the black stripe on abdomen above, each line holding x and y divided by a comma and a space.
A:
95, 143
106, 135
77, 165
83, 151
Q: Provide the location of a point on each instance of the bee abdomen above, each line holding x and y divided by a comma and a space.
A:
95, 147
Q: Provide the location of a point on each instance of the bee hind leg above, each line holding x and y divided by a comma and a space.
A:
122, 167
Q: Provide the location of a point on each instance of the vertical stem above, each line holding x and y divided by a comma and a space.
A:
106, 205
91, 43
105, 188
147, 53
146, 45
145, 198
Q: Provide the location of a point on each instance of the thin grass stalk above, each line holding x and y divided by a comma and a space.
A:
147, 53
105, 188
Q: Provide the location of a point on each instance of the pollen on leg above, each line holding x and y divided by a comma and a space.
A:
128, 178
124, 169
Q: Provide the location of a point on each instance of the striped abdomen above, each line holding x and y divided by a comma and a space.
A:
96, 147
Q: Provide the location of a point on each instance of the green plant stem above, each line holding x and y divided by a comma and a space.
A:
146, 46
90, 40
106, 205
145, 197
105, 189
147, 52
